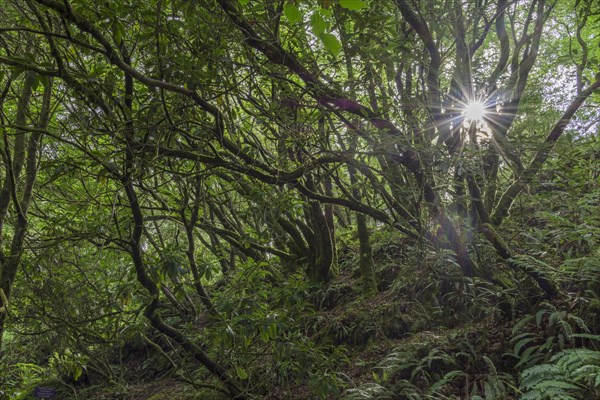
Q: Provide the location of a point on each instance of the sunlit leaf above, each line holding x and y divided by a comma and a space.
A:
241, 373
331, 42
353, 4
317, 24
292, 13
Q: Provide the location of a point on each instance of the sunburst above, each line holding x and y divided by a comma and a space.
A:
475, 111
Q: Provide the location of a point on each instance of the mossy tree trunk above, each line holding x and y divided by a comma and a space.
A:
16, 190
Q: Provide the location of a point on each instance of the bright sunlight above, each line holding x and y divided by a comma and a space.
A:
475, 111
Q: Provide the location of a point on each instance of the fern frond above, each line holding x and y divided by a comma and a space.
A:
569, 375
490, 365
589, 336
521, 344
533, 376
449, 377
369, 391
521, 323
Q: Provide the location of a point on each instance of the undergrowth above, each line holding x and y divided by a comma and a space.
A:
429, 333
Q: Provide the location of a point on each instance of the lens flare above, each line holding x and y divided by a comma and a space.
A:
475, 111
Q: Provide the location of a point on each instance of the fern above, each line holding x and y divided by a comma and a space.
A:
589, 336
369, 391
570, 374
554, 330
531, 377
449, 377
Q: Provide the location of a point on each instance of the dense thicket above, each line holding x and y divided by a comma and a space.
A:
203, 179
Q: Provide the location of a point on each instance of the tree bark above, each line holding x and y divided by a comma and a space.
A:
25, 154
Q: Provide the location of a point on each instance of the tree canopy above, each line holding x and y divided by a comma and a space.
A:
199, 175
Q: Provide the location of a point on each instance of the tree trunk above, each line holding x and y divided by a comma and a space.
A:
25, 155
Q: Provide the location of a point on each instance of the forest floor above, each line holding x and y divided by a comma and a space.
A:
400, 335
405, 342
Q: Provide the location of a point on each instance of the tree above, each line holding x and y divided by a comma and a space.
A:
233, 132
17, 187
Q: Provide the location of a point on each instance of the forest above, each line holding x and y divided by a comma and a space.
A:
299, 199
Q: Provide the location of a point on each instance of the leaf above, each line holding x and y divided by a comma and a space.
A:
244, 2
77, 372
44, 80
332, 44
528, 358
519, 325
264, 335
117, 32
292, 13
491, 365
539, 315
273, 331
36, 83
489, 390
241, 373
317, 24
585, 336
436, 140
521, 344
353, 4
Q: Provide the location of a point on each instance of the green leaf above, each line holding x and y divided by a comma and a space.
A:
77, 372
292, 13
264, 335
353, 4
117, 32
317, 24
36, 83
585, 336
43, 79
241, 373
244, 2
539, 315
332, 44
273, 331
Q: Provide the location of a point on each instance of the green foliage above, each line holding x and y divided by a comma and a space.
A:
494, 384
18, 379
369, 391
420, 373
552, 360
180, 183
292, 12
537, 337
570, 374
353, 4
270, 319
69, 365
331, 43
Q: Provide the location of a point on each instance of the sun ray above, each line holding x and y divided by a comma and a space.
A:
475, 111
